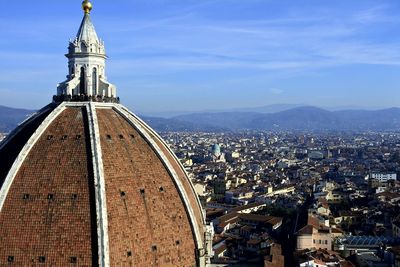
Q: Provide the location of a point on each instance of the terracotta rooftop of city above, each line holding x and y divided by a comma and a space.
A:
84, 181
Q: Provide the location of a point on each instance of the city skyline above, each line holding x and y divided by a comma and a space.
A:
212, 55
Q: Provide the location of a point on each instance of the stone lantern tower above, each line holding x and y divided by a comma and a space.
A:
86, 63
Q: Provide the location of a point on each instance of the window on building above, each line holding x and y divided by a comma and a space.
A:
82, 85
94, 82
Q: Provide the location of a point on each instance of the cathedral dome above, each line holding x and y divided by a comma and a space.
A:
89, 183
216, 150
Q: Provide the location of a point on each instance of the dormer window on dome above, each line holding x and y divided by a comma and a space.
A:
86, 79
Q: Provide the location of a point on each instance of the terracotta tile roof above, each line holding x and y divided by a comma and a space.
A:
388, 195
306, 230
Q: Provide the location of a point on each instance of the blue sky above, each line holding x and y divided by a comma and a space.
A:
218, 54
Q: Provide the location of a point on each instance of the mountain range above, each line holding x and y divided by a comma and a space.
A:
304, 118
301, 118
262, 109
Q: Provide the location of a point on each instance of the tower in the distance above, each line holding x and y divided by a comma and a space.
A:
86, 182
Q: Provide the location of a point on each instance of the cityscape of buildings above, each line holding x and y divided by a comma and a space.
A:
307, 199
296, 199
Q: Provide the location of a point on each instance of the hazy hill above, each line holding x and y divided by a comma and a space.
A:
228, 120
174, 125
263, 109
268, 109
10, 117
300, 118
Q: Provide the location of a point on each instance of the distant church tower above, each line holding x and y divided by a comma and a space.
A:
85, 182
86, 63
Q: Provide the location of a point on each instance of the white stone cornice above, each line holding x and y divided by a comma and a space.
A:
100, 190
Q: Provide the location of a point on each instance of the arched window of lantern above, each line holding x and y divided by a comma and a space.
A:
94, 81
82, 85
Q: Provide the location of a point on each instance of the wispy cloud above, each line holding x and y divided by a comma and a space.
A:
275, 91
292, 42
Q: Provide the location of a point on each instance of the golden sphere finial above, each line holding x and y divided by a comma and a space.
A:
87, 6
